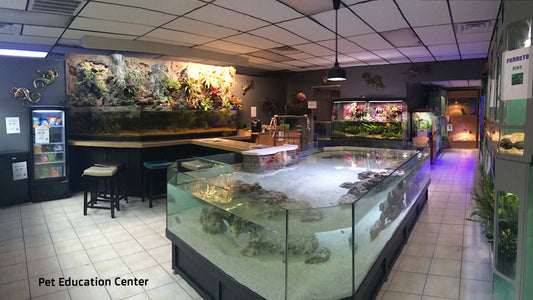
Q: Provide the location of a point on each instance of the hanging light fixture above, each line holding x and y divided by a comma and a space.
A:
336, 73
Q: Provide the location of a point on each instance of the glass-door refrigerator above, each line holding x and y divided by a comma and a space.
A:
49, 178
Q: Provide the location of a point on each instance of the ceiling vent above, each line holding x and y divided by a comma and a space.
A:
65, 7
9, 28
473, 27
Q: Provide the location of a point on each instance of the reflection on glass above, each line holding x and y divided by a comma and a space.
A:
507, 234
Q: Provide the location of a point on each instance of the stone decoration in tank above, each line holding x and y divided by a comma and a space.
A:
125, 92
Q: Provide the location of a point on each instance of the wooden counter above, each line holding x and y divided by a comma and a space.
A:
228, 144
84, 153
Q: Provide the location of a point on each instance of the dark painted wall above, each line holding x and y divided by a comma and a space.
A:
264, 87
20, 72
394, 77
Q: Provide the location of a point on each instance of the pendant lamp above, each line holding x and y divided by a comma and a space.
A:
336, 73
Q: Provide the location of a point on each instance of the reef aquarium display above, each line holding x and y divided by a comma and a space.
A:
120, 97
315, 227
370, 119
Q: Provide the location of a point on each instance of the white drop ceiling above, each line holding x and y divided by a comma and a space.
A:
270, 35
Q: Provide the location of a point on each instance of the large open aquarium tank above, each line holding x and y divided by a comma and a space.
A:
310, 229
370, 119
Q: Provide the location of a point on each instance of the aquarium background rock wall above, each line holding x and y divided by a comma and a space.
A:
119, 96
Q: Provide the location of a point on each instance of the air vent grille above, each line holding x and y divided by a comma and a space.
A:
65, 7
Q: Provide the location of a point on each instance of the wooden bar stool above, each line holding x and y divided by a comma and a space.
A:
106, 175
151, 170
122, 175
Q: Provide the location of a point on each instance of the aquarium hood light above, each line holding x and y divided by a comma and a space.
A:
104, 43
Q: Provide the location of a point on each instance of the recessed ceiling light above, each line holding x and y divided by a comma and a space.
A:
473, 27
23, 53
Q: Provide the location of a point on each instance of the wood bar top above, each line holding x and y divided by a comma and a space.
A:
228, 144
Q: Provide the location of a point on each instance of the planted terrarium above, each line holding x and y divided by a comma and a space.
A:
369, 119
332, 211
114, 96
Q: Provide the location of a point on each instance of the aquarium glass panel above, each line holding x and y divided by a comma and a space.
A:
513, 112
511, 142
319, 248
506, 240
379, 212
502, 289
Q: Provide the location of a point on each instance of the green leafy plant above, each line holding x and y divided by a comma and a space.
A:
483, 198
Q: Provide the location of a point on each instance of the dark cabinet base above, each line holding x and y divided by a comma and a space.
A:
13, 191
51, 190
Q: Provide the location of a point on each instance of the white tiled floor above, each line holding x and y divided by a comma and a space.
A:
446, 257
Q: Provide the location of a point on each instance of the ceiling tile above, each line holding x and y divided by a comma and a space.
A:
298, 63
424, 13
269, 55
364, 56
279, 35
75, 34
270, 10
308, 29
399, 60
474, 82
109, 26
348, 23
474, 55
389, 54
376, 12
313, 49
106, 11
179, 37
476, 10
309, 7
436, 35
318, 61
198, 27
449, 57
413, 52
13, 4
248, 39
344, 46
257, 60
42, 31
224, 17
474, 48
27, 39
229, 47
422, 59
459, 83
167, 6
444, 50
299, 55
372, 41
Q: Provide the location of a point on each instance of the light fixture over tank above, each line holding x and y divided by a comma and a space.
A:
336, 73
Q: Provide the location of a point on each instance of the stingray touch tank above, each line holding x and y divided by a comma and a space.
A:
306, 230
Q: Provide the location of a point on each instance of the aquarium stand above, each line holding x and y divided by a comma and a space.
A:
206, 278
212, 283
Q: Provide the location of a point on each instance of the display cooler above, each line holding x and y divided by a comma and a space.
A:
507, 157
322, 225
48, 163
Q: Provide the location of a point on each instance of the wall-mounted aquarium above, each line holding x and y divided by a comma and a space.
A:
370, 119
314, 229
122, 97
